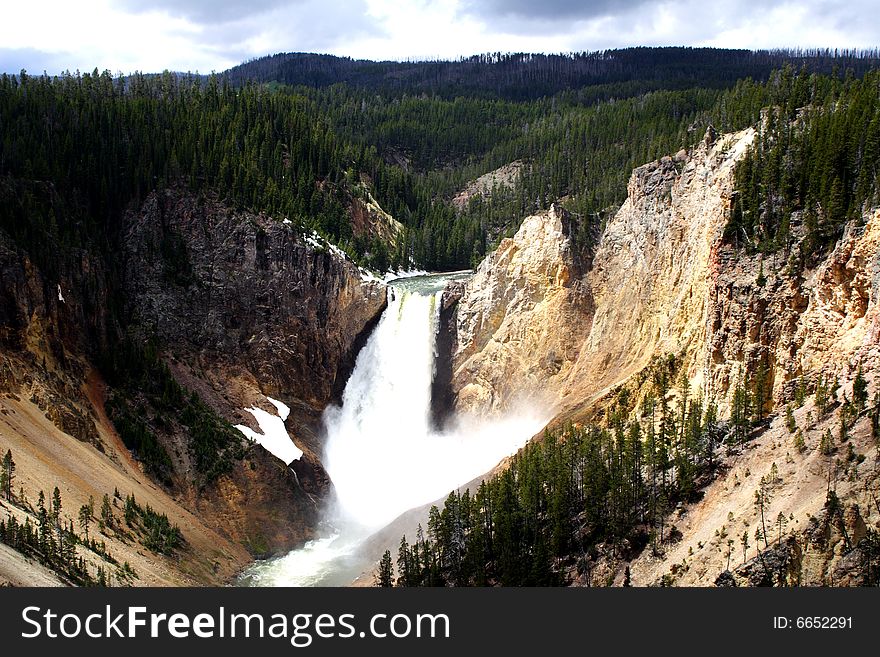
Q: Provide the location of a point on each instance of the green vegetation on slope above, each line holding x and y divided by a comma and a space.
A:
49, 535
147, 389
585, 492
816, 161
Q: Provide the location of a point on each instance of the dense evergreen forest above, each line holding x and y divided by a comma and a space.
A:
815, 164
585, 76
540, 520
588, 491
301, 147
574, 148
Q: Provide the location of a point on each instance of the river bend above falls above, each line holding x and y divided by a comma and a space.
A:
381, 451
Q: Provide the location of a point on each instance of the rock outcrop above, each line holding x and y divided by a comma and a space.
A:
502, 178
538, 320
836, 549
521, 318
540, 317
246, 298
248, 307
370, 221
567, 326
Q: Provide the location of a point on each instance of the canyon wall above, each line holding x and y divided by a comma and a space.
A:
247, 302
239, 307
547, 316
536, 322
539, 320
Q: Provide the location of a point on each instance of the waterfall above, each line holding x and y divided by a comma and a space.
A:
378, 439
381, 451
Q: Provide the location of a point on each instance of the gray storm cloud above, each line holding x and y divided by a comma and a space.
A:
207, 11
221, 33
550, 10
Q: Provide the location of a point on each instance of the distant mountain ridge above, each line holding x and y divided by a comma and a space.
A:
524, 76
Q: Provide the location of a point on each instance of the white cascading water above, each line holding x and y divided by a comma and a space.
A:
381, 452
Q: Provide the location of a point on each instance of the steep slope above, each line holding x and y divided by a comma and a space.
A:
46, 457
542, 321
257, 312
823, 324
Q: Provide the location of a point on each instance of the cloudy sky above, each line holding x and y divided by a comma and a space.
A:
212, 35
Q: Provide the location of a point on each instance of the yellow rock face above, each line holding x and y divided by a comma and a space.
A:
521, 319
540, 322
529, 326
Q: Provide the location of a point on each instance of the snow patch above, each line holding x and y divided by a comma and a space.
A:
274, 437
283, 409
369, 277
315, 240
60, 296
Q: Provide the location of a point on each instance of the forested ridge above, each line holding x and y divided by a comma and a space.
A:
585, 76
302, 150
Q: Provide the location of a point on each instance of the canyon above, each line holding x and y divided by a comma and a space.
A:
561, 315
245, 308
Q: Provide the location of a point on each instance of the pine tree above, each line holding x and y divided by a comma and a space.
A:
790, 422
762, 501
799, 443
781, 522
826, 443
385, 574
7, 475
131, 509
860, 391
405, 570
739, 414
821, 396
106, 512
85, 519
761, 392
56, 505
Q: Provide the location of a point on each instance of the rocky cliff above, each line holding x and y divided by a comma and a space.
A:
548, 319
248, 302
520, 320
239, 307
539, 316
